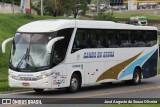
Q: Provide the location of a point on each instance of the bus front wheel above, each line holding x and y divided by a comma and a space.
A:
38, 90
74, 84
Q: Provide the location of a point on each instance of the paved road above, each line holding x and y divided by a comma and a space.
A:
150, 88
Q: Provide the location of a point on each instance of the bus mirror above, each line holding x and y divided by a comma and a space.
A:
51, 42
4, 44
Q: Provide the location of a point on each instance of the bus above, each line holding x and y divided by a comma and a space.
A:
50, 54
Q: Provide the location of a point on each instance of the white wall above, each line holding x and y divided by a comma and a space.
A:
9, 8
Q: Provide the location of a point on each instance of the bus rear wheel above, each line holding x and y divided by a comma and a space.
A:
38, 90
75, 84
136, 77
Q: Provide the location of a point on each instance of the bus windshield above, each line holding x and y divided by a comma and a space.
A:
29, 50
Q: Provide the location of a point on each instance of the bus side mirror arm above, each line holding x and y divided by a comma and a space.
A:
4, 44
51, 42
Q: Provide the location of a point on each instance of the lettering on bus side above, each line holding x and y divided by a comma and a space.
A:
98, 54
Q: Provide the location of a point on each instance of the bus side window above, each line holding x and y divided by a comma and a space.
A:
96, 38
111, 39
132, 38
124, 38
81, 40
151, 38
139, 39
61, 46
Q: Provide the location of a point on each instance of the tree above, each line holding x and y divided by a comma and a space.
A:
48, 5
74, 6
17, 2
57, 4
49, 8
60, 7
105, 16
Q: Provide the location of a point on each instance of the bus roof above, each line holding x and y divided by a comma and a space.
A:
55, 25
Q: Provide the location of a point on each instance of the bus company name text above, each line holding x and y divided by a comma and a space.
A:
98, 54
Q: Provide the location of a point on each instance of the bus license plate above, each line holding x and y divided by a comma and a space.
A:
25, 84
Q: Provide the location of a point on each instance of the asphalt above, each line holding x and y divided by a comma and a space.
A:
149, 88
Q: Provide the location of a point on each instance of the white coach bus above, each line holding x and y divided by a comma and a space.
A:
69, 54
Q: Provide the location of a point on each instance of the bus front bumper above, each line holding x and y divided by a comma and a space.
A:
41, 84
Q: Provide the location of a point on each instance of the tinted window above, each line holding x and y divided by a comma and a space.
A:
124, 38
80, 41
104, 38
143, 38
61, 46
138, 39
111, 39
150, 38
97, 38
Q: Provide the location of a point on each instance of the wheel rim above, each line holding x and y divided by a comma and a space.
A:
136, 77
74, 83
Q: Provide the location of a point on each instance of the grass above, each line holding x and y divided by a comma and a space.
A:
4, 88
127, 15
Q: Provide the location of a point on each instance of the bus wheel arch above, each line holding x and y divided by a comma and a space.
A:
75, 82
140, 70
137, 76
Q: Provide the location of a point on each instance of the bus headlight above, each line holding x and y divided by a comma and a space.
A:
44, 75
46, 83
14, 77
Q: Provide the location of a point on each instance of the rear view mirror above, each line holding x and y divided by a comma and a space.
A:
51, 42
4, 44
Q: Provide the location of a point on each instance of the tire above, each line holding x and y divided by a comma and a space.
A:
38, 90
136, 77
75, 84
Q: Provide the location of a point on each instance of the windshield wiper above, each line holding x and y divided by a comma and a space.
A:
25, 56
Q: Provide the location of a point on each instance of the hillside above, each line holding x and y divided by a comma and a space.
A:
8, 26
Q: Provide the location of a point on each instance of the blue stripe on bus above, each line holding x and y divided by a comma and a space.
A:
130, 69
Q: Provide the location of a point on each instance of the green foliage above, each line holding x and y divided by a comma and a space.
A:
67, 7
105, 16
148, 13
74, 7
4, 87
17, 2
49, 7
28, 16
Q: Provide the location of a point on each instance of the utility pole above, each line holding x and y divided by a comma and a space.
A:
12, 6
41, 7
30, 7
97, 6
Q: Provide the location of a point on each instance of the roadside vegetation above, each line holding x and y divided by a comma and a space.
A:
127, 15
